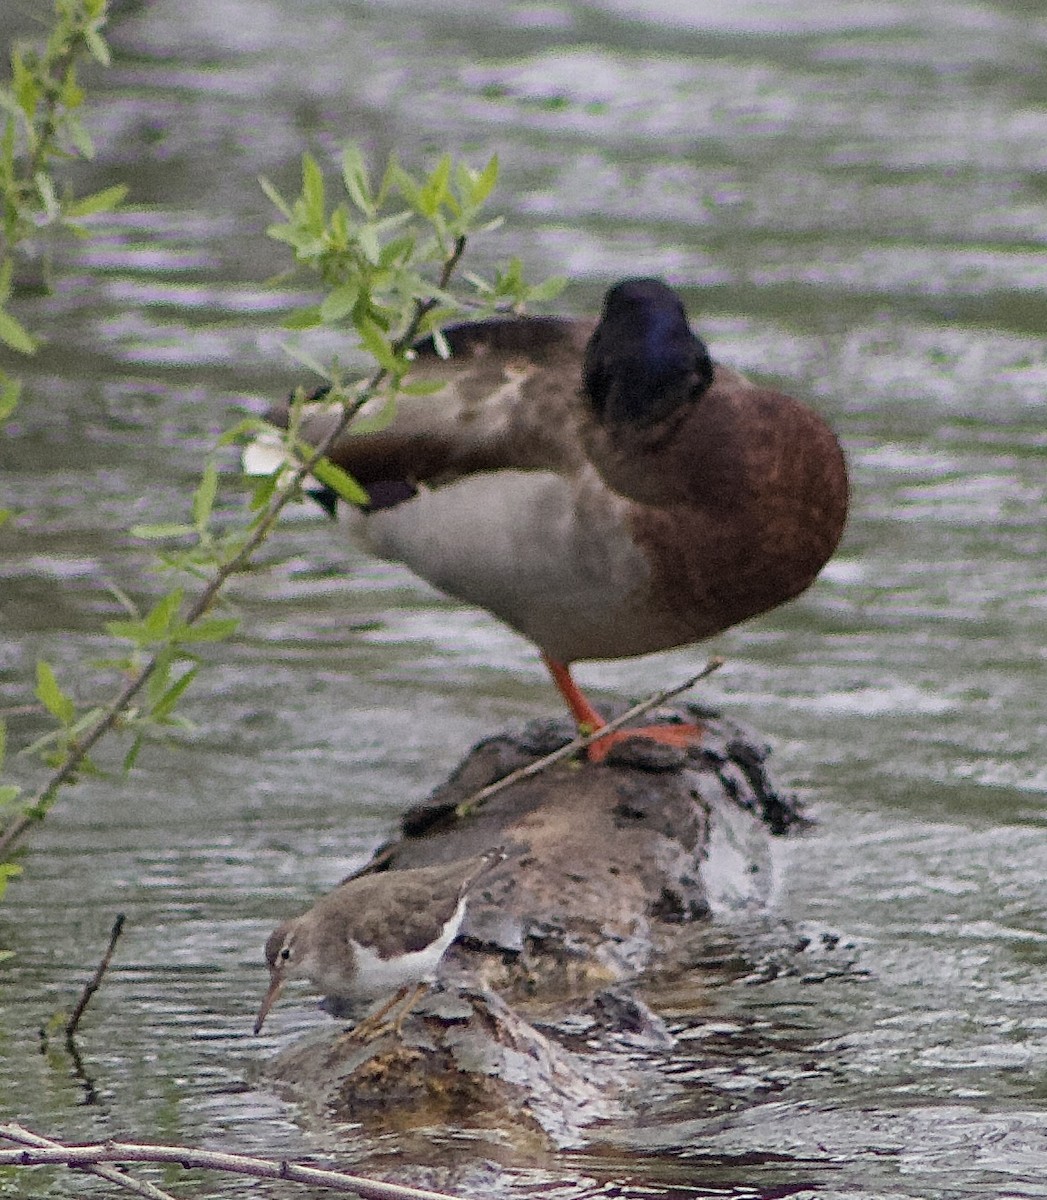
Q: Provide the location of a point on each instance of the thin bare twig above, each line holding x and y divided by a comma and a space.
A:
79, 1071
110, 716
92, 984
474, 801
140, 1187
94, 1153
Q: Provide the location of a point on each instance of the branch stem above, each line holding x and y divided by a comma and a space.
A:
93, 983
140, 1187
92, 1154
471, 803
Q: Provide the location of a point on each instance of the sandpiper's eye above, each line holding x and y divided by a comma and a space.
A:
285, 953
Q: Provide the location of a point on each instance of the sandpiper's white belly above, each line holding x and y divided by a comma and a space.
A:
375, 978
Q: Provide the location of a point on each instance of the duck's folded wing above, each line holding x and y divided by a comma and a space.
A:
508, 398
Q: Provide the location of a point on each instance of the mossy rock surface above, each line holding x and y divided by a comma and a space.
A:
607, 868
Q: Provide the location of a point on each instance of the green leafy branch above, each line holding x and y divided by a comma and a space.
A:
41, 128
374, 252
371, 261
390, 272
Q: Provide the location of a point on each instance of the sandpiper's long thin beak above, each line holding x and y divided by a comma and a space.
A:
276, 982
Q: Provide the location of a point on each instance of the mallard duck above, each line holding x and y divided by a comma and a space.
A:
603, 487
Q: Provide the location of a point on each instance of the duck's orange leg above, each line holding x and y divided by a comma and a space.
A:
589, 720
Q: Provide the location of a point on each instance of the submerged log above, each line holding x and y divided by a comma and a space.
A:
606, 866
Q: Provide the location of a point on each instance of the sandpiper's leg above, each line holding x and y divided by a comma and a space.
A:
371, 1025
412, 1000
375, 1025
589, 720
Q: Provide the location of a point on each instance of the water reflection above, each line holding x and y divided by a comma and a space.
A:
851, 196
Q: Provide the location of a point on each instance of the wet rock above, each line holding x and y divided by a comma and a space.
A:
606, 866
465, 1059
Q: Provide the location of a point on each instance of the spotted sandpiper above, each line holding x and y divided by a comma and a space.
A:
375, 935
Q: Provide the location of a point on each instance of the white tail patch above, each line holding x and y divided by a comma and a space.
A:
264, 455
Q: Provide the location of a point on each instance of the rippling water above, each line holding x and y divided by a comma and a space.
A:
852, 196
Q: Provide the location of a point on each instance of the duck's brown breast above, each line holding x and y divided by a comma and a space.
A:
759, 503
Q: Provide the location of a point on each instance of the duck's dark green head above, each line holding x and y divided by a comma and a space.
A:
643, 360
